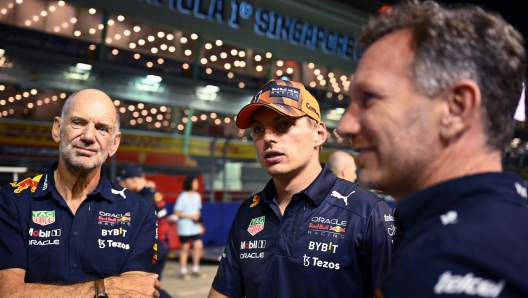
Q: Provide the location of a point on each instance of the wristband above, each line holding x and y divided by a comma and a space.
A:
100, 289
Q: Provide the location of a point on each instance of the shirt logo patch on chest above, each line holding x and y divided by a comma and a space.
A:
341, 197
256, 225
30, 183
256, 200
43, 218
114, 219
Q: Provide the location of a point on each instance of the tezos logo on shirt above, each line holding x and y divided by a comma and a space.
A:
256, 225
319, 263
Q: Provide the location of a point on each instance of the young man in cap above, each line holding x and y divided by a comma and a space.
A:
71, 232
432, 108
133, 179
308, 233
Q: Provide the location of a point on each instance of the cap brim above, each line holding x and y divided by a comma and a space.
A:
243, 120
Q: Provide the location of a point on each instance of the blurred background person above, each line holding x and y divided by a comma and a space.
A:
133, 178
188, 209
343, 165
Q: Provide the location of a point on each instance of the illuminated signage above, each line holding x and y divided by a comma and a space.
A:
267, 23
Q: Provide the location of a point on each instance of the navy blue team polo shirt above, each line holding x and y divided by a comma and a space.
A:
113, 231
467, 237
334, 240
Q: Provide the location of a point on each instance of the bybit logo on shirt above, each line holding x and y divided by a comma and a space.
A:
113, 232
324, 247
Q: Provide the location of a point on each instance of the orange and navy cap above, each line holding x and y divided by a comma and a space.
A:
286, 97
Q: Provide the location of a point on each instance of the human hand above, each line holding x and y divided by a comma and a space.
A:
133, 285
195, 217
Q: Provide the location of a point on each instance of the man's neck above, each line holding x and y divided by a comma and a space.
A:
286, 187
75, 184
458, 160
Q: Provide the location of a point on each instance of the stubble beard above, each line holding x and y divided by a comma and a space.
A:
68, 155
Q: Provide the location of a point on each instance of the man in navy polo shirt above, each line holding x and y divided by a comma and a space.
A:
65, 229
308, 233
433, 99
133, 179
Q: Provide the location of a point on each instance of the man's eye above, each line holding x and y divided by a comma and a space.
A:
104, 129
367, 96
76, 123
258, 129
285, 125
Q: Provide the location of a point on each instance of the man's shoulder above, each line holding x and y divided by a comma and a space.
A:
351, 196
125, 196
21, 190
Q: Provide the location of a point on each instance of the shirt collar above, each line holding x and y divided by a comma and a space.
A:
316, 191
47, 185
441, 198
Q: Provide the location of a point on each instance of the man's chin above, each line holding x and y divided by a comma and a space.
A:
369, 181
85, 163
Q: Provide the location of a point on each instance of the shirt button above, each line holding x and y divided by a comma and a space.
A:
75, 233
74, 265
283, 235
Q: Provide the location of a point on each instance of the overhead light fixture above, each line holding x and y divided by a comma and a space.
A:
208, 92
154, 79
4, 62
81, 72
84, 66
150, 83
335, 114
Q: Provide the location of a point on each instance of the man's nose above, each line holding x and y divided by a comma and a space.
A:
349, 125
89, 132
269, 135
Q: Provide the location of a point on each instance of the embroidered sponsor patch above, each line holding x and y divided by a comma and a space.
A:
256, 225
30, 183
285, 91
43, 218
256, 200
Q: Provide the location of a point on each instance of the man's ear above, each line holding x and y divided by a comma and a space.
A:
320, 132
115, 144
463, 103
55, 130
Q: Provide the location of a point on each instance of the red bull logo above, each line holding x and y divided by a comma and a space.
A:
124, 219
256, 200
30, 183
337, 229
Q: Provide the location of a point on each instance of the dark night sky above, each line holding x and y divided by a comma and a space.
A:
513, 11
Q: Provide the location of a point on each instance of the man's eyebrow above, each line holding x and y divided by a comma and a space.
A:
253, 121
